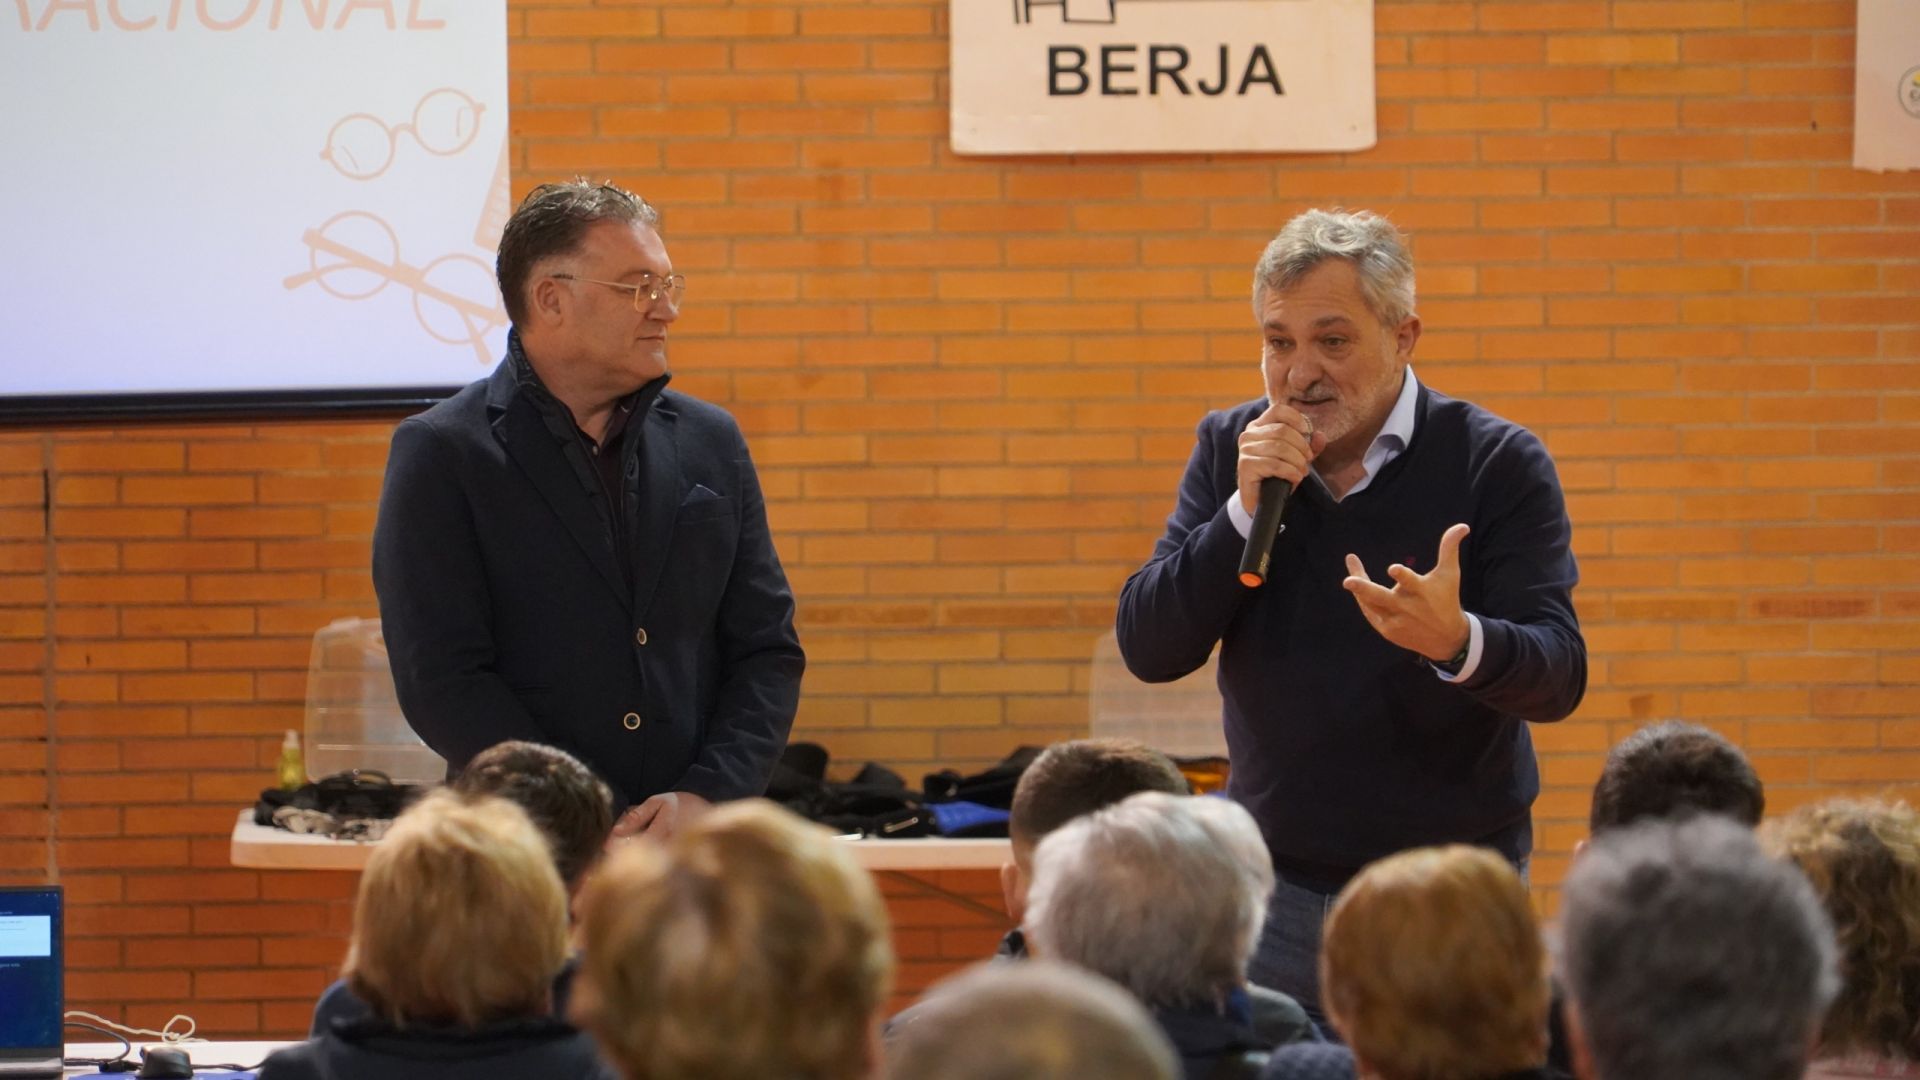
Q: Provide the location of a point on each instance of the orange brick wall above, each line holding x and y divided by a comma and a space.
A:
971, 385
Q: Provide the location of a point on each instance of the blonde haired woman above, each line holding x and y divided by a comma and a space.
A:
750, 946
1864, 861
458, 932
1433, 968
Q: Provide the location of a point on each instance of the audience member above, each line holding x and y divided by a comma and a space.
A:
1688, 954
1070, 779
748, 947
572, 808
1431, 968
1033, 1021
1164, 895
1067, 780
1675, 770
1863, 859
459, 930
571, 805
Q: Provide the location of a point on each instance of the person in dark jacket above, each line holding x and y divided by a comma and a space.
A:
569, 553
1163, 894
459, 930
1072, 778
570, 806
1416, 612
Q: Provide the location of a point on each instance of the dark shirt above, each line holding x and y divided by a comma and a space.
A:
1275, 1017
373, 1049
605, 457
339, 1005
1204, 1036
1345, 746
1332, 1061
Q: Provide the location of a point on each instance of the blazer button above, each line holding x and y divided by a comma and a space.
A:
640, 636
632, 721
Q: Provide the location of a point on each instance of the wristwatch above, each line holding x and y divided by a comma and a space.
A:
1458, 660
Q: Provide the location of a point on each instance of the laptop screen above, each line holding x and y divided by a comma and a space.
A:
31, 997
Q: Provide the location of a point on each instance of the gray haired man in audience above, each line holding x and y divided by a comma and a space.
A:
1033, 1021
1688, 954
1165, 895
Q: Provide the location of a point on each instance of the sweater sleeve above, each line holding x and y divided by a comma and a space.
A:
1174, 610
1534, 660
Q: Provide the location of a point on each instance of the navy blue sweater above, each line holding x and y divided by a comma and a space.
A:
1346, 747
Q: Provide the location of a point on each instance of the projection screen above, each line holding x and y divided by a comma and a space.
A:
249, 206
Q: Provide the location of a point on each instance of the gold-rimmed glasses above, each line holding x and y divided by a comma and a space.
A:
673, 287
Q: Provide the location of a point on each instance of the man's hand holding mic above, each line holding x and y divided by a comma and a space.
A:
1280, 443
1276, 450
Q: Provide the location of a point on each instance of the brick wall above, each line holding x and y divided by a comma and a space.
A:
971, 385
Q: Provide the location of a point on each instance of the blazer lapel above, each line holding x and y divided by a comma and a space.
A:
658, 503
526, 438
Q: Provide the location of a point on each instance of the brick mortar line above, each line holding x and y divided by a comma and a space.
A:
48, 695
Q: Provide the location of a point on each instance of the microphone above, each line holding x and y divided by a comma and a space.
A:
1266, 526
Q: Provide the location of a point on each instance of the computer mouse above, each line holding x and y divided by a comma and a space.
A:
164, 1063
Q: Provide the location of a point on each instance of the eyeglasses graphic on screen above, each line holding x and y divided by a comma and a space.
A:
362, 146
355, 255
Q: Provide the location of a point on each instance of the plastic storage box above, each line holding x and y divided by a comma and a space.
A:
353, 716
1180, 718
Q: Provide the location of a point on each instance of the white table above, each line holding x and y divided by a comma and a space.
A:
202, 1053
262, 847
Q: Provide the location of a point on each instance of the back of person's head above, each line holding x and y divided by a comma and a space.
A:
1688, 954
1069, 779
572, 806
1675, 770
1031, 1021
461, 918
1863, 858
1432, 967
749, 946
1163, 894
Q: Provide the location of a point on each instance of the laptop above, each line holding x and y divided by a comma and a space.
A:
32, 987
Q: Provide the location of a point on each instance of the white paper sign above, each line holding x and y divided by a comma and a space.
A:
239, 195
1161, 76
1886, 86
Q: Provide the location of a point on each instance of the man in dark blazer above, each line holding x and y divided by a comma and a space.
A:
571, 554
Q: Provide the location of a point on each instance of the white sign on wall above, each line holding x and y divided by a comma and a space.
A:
1161, 76
1886, 86
251, 195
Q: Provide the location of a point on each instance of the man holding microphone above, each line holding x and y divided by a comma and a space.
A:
1412, 615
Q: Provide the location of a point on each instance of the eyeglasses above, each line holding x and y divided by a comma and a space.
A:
445, 122
645, 291
355, 255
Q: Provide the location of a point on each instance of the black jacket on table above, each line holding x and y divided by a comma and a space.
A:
511, 613
1346, 747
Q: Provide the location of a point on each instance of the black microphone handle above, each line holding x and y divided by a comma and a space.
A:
1266, 526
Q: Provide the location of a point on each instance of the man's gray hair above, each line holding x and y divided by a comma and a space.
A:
1031, 1020
1367, 240
1688, 954
1163, 894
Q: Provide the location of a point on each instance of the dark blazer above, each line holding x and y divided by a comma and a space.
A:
509, 614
